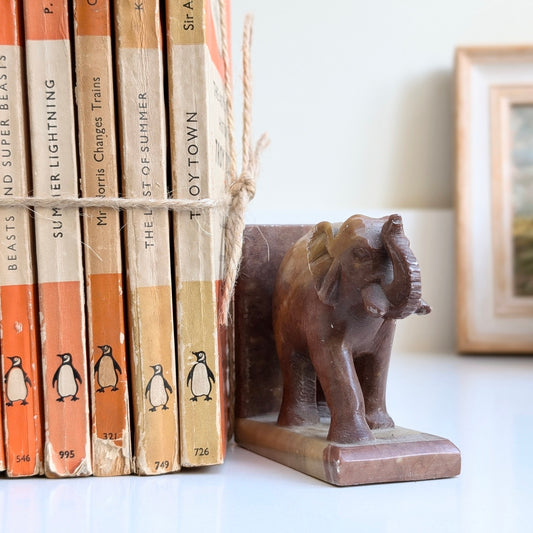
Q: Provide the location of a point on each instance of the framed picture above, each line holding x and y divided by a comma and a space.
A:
494, 199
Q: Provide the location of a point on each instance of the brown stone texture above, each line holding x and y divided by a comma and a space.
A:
258, 377
396, 454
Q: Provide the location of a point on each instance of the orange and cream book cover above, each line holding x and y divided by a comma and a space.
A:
19, 329
148, 257
111, 441
198, 126
58, 239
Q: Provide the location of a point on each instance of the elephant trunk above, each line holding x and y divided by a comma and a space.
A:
404, 291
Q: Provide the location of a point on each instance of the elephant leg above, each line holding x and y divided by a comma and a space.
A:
372, 369
336, 373
298, 406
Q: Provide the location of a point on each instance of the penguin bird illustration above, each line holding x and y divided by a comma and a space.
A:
157, 388
17, 382
66, 379
200, 378
106, 370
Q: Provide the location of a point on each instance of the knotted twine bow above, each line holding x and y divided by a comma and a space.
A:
240, 189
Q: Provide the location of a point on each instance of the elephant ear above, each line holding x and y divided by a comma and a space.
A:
324, 268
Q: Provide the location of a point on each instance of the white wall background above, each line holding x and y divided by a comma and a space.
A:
357, 98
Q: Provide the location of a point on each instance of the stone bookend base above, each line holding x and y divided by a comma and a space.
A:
396, 455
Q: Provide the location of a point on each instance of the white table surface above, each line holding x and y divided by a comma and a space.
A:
482, 404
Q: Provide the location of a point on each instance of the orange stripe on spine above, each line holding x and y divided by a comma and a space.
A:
46, 20
93, 18
62, 330
211, 38
10, 22
19, 338
105, 291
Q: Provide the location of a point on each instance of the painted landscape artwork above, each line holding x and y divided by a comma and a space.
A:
522, 194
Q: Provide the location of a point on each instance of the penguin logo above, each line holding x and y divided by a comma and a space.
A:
157, 388
200, 378
106, 370
66, 379
17, 382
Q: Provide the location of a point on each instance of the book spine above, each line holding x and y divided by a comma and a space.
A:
111, 450
2, 446
148, 257
58, 239
198, 114
20, 361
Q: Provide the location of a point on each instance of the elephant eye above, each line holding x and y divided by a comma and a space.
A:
361, 254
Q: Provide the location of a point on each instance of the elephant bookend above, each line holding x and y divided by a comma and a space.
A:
315, 314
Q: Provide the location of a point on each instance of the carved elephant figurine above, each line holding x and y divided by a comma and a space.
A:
338, 293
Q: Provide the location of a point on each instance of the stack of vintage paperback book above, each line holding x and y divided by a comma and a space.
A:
112, 356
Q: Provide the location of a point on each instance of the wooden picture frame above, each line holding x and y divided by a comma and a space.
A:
494, 98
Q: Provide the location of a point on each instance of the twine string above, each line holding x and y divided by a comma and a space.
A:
228, 85
241, 187
65, 202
